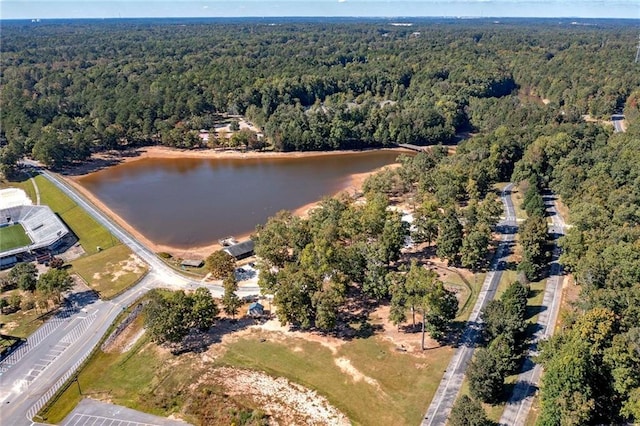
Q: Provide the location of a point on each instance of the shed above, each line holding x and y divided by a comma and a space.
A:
193, 263
241, 250
255, 310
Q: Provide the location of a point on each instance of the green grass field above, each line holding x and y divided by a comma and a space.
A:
403, 383
13, 236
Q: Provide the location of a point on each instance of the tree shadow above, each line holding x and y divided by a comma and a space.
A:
199, 341
75, 302
524, 390
533, 310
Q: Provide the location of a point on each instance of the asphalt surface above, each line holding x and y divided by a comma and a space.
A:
447, 392
93, 413
50, 356
617, 120
519, 404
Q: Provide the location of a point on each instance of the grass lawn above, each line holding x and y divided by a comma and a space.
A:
405, 382
90, 232
25, 323
13, 236
398, 390
117, 271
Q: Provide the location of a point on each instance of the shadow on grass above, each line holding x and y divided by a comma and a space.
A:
198, 341
533, 310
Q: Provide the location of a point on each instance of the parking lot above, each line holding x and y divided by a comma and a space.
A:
95, 413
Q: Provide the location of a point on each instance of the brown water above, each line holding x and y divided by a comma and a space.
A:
193, 202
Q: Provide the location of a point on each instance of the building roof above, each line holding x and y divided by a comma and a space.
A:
194, 263
241, 249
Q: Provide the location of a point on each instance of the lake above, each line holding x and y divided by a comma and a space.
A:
191, 202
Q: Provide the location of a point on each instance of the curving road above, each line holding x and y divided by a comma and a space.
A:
32, 374
519, 404
447, 392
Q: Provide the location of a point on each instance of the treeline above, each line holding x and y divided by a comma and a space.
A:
592, 367
24, 289
75, 88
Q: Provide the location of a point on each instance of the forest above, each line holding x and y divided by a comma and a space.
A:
73, 88
533, 95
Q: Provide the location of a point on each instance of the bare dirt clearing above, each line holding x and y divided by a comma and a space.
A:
287, 403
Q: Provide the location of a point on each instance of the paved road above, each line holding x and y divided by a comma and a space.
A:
519, 404
30, 376
617, 120
449, 387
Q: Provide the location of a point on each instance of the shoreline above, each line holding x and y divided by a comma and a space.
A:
100, 161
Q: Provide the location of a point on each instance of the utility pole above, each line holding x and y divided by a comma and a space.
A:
638, 52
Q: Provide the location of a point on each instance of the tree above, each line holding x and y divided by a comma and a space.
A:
533, 239
220, 264
168, 317
54, 282
485, 376
475, 246
4, 303
533, 203
499, 319
420, 290
426, 220
449, 238
327, 302
468, 412
230, 301
204, 309
24, 276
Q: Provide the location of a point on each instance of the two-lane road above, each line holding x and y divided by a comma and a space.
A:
451, 382
519, 404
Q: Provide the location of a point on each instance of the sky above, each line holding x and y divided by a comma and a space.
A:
43, 9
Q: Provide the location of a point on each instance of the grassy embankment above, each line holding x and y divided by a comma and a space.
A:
105, 271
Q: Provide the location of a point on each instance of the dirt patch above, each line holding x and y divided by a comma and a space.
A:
287, 403
345, 365
133, 264
403, 338
274, 326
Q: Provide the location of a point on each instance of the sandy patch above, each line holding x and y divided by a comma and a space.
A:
404, 341
353, 184
288, 403
346, 367
274, 326
133, 264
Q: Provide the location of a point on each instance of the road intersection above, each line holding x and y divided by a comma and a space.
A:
50, 356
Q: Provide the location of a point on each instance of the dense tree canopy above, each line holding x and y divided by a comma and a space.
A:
72, 88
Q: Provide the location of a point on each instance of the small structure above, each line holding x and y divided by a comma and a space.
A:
255, 310
227, 241
192, 263
241, 250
